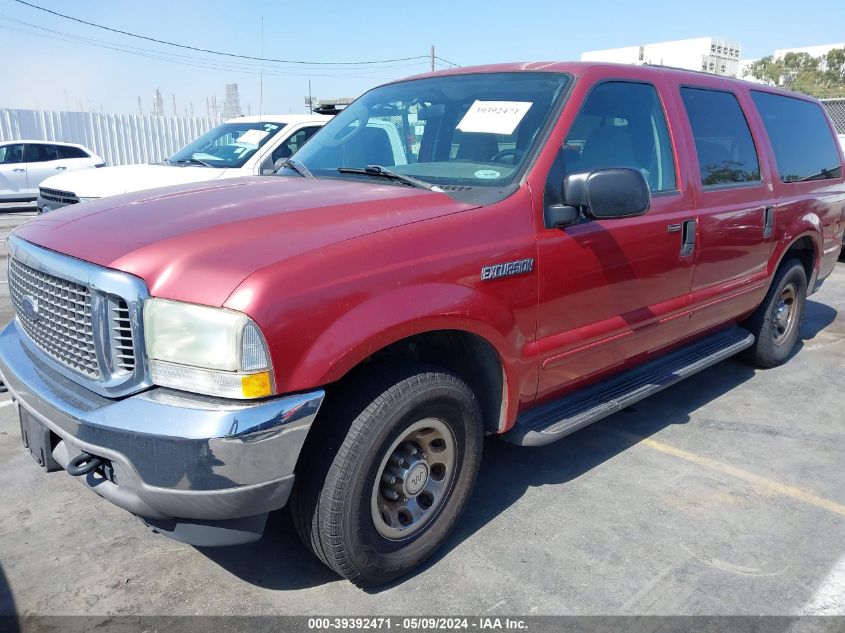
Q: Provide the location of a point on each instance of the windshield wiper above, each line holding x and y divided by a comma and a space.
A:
298, 167
192, 161
378, 170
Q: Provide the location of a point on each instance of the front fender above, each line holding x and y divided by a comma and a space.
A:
398, 314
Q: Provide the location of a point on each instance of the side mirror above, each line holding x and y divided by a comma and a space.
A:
604, 194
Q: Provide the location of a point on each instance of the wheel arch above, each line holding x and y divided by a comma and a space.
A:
804, 247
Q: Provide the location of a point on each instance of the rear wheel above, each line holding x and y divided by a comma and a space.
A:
777, 321
381, 489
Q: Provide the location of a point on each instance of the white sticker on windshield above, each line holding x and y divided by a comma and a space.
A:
252, 137
494, 117
487, 173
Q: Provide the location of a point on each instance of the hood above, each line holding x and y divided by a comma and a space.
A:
198, 243
112, 181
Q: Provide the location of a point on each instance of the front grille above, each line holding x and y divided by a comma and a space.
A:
54, 195
84, 320
56, 314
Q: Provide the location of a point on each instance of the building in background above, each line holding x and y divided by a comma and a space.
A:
232, 103
709, 54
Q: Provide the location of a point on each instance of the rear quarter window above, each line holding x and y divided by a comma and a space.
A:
804, 146
67, 151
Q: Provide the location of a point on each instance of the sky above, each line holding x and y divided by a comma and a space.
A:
53, 63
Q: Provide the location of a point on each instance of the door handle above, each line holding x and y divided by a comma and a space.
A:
19, 170
60, 168
768, 222
687, 238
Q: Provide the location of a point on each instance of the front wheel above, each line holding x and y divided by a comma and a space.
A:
388, 497
777, 321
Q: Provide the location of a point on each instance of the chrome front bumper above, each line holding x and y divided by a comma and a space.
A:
202, 470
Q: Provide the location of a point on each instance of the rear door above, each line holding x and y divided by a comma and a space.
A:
12, 172
735, 202
72, 157
42, 161
809, 181
615, 290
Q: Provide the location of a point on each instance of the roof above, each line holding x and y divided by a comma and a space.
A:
579, 68
41, 140
289, 119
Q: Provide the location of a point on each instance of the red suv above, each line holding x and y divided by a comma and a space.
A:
517, 250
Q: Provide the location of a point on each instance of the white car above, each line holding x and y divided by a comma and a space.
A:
25, 164
239, 147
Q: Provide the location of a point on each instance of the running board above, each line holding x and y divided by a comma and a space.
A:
550, 422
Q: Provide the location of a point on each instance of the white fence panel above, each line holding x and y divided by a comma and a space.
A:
121, 139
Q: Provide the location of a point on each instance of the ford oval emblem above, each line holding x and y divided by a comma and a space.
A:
29, 307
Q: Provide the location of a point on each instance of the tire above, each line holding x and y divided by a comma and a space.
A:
409, 431
777, 332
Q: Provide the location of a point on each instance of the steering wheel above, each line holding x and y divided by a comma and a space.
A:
357, 113
516, 153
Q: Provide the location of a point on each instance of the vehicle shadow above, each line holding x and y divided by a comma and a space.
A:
280, 561
8, 613
817, 317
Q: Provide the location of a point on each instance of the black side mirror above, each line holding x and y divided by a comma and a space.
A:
617, 192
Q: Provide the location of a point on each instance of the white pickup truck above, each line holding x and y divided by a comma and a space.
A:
243, 146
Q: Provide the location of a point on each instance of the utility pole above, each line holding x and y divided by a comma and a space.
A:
432, 58
140, 107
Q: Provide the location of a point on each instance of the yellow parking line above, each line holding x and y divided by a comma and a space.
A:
793, 492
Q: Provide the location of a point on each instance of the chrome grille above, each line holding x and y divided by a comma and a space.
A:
84, 320
62, 326
55, 195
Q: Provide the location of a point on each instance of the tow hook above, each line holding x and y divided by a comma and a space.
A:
83, 464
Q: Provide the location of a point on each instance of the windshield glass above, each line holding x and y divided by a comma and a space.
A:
475, 130
227, 145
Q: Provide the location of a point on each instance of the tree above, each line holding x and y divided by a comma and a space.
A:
821, 77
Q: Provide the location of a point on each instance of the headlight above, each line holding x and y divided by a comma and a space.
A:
88, 199
214, 351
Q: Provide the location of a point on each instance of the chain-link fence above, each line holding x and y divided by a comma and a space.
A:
836, 110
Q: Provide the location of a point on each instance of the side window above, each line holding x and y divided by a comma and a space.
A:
292, 144
11, 154
40, 153
66, 151
622, 124
804, 147
726, 152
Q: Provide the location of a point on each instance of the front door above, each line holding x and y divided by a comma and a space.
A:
12, 173
614, 290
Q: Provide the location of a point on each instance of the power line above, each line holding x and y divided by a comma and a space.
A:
213, 52
186, 60
452, 64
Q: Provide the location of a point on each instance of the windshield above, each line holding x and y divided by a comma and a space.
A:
227, 145
468, 131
